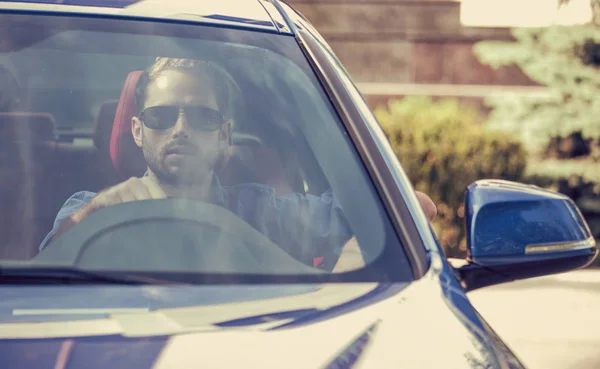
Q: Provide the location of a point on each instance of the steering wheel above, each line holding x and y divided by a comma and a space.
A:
170, 235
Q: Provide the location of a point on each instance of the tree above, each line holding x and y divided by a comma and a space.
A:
565, 59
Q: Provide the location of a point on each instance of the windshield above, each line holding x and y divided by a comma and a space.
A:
139, 147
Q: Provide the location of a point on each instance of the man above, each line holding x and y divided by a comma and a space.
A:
183, 126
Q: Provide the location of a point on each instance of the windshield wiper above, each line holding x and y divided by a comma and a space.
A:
65, 275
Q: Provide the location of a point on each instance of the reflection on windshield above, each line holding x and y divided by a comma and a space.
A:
242, 127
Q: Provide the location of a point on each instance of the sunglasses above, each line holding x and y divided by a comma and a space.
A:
198, 117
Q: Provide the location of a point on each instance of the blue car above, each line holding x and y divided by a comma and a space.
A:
194, 184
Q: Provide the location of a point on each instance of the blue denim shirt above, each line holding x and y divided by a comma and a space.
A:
310, 228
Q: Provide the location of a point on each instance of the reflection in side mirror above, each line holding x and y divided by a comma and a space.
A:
517, 231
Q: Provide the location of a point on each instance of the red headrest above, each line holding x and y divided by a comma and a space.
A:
126, 156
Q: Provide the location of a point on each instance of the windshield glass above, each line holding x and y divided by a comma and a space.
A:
146, 147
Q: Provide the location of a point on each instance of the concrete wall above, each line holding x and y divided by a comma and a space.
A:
389, 46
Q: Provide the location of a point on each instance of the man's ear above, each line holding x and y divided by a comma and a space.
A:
225, 132
136, 130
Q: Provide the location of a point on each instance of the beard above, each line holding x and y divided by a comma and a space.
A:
179, 163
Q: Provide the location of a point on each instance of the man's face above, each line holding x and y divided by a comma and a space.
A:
181, 154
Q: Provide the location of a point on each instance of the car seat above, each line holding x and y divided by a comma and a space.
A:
27, 203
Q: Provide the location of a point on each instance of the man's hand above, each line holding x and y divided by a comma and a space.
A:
132, 189
428, 205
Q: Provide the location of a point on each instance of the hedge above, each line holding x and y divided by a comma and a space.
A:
443, 148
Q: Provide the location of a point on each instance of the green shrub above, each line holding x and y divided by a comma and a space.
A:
443, 148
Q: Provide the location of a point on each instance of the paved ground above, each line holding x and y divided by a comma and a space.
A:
549, 322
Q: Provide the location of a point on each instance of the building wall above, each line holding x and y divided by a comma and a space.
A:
388, 46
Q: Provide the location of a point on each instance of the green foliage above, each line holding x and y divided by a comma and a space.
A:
564, 59
443, 147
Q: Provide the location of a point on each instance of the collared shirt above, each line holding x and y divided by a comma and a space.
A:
311, 228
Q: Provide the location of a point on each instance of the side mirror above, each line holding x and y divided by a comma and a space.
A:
517, 231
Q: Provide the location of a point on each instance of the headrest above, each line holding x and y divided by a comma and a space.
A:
26, 127
126, 156
104, 124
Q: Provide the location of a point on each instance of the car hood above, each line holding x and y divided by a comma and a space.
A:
319, 326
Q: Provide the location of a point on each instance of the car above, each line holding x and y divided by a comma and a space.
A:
177, 282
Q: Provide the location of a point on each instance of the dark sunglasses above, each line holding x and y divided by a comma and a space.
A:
198, 117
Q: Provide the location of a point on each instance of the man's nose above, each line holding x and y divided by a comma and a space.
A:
181, 127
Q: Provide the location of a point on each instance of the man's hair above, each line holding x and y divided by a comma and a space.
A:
226, 90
